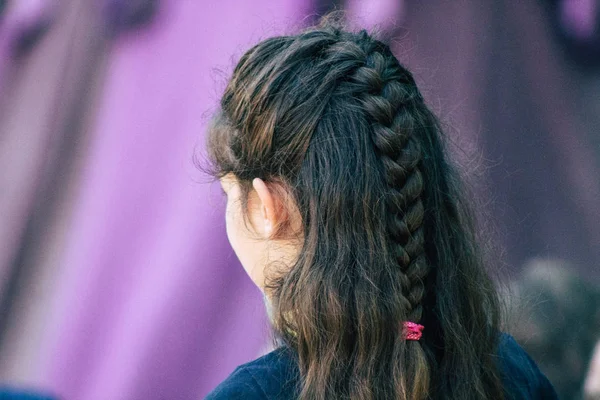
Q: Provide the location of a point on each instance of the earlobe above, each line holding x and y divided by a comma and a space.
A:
268, 227
267, 207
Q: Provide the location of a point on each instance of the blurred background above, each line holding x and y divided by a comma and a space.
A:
116, 278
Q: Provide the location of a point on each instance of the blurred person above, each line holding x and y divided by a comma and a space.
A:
555, 316
345, 210
591, 387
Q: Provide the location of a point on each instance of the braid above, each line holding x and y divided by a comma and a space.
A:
389, 97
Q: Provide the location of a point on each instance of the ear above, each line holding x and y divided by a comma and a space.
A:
268, 210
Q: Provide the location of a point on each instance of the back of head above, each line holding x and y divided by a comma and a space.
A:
332, 119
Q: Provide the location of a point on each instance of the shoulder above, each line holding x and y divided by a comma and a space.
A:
520, 374
272, 376
239, 385
15, 394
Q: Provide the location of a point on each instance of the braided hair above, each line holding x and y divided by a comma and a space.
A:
332, 119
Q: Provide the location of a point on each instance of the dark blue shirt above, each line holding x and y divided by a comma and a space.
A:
17, 394
275, 376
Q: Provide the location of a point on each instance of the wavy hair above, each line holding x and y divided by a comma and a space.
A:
332, 119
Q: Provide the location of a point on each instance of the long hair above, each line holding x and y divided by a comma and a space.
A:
332, 119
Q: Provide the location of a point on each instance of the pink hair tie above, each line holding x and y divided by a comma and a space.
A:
412, 331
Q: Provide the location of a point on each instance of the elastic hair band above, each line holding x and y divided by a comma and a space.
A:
412, 331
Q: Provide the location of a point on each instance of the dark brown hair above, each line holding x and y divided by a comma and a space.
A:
335, 120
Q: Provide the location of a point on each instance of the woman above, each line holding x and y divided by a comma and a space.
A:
343, 208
